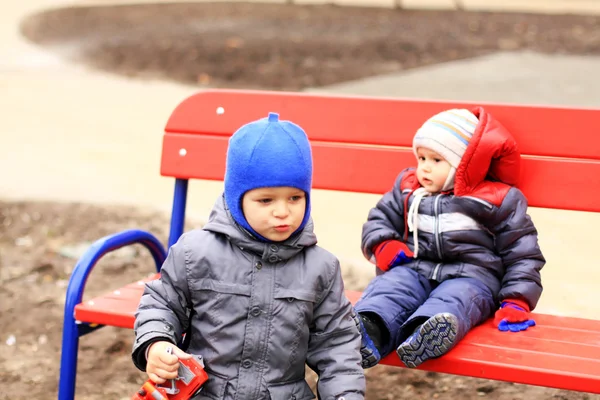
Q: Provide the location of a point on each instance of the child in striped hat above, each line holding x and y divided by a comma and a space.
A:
439, 146
452, 242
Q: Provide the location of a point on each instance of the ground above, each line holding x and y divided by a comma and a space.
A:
292, 47
244, 46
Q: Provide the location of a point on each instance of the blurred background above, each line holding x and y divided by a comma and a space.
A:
86, 88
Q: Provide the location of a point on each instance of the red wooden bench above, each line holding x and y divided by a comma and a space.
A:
359, 145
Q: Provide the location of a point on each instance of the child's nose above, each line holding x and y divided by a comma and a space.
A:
281, 210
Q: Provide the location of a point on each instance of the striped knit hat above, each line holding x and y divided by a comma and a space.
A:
448, 134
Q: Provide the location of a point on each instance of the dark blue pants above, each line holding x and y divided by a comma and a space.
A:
403, 299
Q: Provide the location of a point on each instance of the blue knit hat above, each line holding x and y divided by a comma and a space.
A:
267, 153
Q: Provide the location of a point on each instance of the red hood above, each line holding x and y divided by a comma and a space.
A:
492, 156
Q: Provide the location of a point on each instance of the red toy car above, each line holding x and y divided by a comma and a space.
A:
190, 378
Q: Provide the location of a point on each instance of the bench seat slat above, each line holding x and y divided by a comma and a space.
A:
539, 130
108, 311
544, 339
561, 352
512, 365
113, 309
547, 182
575, 324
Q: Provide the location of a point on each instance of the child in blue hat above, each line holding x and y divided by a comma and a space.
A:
261, 299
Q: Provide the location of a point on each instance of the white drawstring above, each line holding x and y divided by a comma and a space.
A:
413, 217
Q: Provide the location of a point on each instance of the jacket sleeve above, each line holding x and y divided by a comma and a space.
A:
517, 243
334, 345
385, 220
163, 312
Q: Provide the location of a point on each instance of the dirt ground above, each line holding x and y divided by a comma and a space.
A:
243, 46
292, 47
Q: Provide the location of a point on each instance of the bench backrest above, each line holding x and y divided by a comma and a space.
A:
360, 144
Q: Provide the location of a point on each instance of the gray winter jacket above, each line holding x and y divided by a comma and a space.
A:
480, 230
260, 312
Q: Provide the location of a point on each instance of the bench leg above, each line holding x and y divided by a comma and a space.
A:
68, 358
178, 212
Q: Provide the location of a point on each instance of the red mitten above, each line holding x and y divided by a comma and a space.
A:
512, 310
391, 253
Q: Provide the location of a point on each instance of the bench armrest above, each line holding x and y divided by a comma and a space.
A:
98, 249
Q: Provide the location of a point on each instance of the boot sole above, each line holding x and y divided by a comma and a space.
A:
369, 358
434, 338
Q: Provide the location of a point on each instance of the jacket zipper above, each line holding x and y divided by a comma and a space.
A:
437, 226
436, 270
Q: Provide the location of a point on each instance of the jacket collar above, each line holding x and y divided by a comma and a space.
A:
220, 221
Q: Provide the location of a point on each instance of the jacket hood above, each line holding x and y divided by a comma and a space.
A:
492, 155
221, 221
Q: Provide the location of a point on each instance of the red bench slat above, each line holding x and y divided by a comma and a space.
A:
539, 130
547, 182
545, 339
561, 352
574, 324
116, 308
513, 365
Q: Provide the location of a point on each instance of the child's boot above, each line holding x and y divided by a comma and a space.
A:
433, 338
370, 338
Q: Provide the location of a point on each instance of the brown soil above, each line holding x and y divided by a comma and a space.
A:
292, 47
226, 45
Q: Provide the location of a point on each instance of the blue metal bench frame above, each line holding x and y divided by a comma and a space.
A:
73, 329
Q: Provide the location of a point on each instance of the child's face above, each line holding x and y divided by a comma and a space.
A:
274, 212
432, 170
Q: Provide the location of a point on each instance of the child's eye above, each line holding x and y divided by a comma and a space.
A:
437, 160
265, 201
296, 198
421, 158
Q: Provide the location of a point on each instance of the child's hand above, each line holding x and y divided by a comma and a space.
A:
392, 253
163, 361
513, 316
